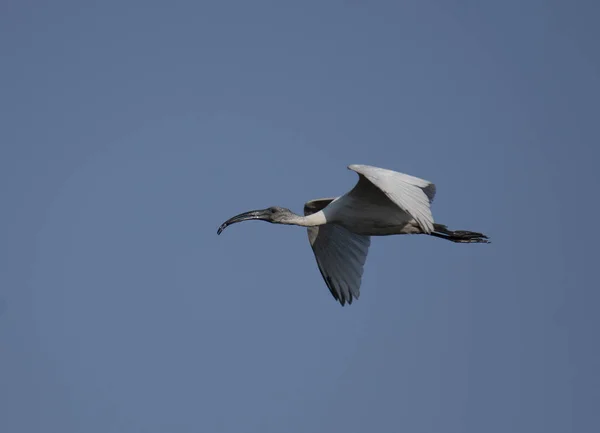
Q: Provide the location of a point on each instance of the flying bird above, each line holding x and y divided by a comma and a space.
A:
383, 202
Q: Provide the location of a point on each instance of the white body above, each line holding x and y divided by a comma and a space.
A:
370, 217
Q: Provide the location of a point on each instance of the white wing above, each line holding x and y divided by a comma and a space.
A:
409, 193
340, 255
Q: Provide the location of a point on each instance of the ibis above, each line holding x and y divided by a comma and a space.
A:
383, 202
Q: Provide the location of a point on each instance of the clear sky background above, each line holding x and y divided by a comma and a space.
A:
131, 129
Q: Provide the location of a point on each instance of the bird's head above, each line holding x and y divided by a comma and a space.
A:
273, 214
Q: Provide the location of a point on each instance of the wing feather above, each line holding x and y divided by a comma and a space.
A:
411, 194
340, 255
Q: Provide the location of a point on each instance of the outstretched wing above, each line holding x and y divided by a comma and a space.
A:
409, 193
340, 255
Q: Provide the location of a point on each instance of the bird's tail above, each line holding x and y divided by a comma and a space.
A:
459, 236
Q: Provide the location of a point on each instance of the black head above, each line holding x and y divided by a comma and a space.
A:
273, 214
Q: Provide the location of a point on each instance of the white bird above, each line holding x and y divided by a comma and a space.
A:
383, 202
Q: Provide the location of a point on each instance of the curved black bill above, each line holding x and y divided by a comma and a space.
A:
246, 216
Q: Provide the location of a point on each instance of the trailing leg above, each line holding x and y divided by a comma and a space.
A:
459, 236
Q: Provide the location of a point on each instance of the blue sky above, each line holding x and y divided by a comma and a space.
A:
131, 130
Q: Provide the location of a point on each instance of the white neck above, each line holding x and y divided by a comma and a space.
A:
316, 219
